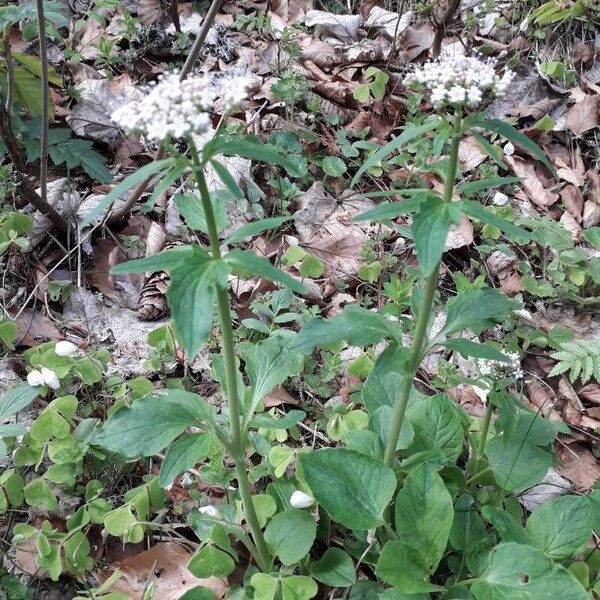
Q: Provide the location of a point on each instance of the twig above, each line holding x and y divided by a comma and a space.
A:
10, 70
45, 103
25, 192
175, 15
440, 27
187, 68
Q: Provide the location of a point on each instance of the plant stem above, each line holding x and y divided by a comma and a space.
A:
487, 417
238, 439
10, 70
45, 103
431, 282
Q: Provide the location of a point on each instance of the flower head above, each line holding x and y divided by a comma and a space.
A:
462, 80
43, 377
301, 500
210, 511
175, 108
498, 369
65, 348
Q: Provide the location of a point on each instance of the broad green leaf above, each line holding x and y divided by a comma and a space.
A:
289, 420
476, 310
167, 260
335, 569
130, 181
280, 457
468, 527
295, 587
353, 488
28, 90
265, 507
259, 152
424, 514
248, 262
227, 179
561, 527
507, 131
269, 363
476, 350
430, 229
210, 562
191, 208
380, 422
400, 566
334, 166
355, 324
80, 153
252, 229
197, 593
17, 399
290, 535
191, 299
151, 424
410, 133
438, 425
505, 525
518, 572
479, 212
38, 493
182, 455
472, 187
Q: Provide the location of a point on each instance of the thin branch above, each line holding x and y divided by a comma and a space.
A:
45, 101
175, 15
187, 68
441, 26
25, 191
10, 70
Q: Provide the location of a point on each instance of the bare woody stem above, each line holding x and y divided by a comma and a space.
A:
238, 438
441, 26
187, 68
420, 334
45, 101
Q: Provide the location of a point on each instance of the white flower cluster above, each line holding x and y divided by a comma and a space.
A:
461, 80
43, 376
498, 369
174, 108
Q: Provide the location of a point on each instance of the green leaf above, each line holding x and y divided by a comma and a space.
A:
295, 587
424, 514
151, 424
333, 166
226, 177
182, 455
210, 562
132, 180
263, 153
38, 493
505, 525
472, 187
80, 153
507, 131
410, 133
191, 208
353, 488
402, 567
269, 363
438, 425
355, 324
476, 350
476, 310
191, 299
561, 527
518, 572
17, 399
429, 230
290, 535
197, 593
289, 420
252, 229
477, 211
592, 236
335, 569
390, 210
259, 265
167, 260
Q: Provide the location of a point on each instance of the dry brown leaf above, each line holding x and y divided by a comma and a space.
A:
511, 284
35, 327
291, 11
470, 154
532, 184
163, 565
591, 214
149, 11
335, 28
579, 465
460, 235
569, 222
590, 392
279, 396
583, 56
414, 43
573, 200
583, 116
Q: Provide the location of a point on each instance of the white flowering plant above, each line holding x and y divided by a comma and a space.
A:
407, 496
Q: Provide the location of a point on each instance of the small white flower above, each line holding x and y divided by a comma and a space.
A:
234, 89
35, 378
499, 369
509, 149
65, 348
50, 378
301, 500
210, 511
371, 537
500, 199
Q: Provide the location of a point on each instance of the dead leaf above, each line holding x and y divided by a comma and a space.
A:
470, 153
392, 23
583, 56
414, 43
532, 184
149, 11
35, 327
460, 235
164, 566
591, 214
573, 200
569, 222
552, 486
583, 116
279, 396
579, 465
591, 393
336, 28
291, 11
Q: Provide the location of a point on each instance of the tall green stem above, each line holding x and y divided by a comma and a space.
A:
238, 441
45, 100
431, 282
